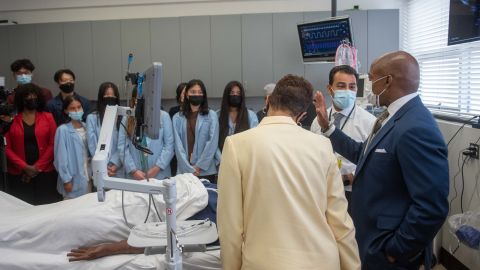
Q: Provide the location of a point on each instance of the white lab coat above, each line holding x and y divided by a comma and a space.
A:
358, 127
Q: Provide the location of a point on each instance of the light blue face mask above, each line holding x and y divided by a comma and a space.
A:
344, 98
76, 115
24, 78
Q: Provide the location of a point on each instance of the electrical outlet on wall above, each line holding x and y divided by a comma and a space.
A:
474, 148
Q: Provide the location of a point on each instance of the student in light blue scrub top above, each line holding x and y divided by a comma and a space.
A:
139, 165
71, 157
196, 133
234, 117
108, 94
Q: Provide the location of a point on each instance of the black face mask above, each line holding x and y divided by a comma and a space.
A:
195, 100
234, 101
67, 87
111, 101
31, 104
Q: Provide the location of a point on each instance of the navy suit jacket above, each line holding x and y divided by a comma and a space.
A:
399, 196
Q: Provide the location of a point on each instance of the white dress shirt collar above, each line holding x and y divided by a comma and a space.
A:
397, 104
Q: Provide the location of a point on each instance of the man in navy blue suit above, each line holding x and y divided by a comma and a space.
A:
399, 196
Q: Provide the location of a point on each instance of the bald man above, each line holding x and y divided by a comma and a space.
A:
399, 196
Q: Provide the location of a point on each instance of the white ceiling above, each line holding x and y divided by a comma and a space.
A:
40, 11
23, 5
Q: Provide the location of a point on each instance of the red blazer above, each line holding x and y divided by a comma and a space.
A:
15, 150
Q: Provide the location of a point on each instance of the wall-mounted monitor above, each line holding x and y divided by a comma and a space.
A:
319, 40
464, 21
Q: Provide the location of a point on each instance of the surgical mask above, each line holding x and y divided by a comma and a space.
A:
31, 104
24, 78
234, 101
76, 115
344, 98
195, 100
377, 101
110, 101
67, 87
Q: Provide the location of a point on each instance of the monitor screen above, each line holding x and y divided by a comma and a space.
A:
464, 21
363, 85
360, 87
319, 40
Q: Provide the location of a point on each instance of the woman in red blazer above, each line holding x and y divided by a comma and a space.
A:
29, 150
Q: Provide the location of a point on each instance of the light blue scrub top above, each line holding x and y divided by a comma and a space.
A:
162, 148
69, 160
252, 120
206, 143
93, 132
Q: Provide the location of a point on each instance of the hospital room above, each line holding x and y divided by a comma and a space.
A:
240, 134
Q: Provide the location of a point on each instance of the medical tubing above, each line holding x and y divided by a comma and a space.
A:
155, 207
125, 216
148, 212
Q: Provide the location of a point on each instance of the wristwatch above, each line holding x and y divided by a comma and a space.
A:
327, 128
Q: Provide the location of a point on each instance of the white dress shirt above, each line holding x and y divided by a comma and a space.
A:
358, 127
397, 105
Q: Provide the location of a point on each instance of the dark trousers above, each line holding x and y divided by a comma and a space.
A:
41, 189
173, 166
212, 178
348, 195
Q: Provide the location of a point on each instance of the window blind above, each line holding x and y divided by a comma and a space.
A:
449, 75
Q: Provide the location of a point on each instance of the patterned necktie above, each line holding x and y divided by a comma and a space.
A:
337, 118
376, 127
378, 124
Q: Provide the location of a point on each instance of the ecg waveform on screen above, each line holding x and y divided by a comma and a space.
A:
322, 34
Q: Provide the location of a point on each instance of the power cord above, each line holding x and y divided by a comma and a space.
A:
476, 192
463, 184
455, 179
456, 133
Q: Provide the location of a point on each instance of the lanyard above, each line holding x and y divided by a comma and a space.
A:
348, 117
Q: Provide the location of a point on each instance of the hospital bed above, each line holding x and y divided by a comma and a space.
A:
39, 237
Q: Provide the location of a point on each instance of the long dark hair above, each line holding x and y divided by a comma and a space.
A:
179, 91
100, 100
187, 110
242, 122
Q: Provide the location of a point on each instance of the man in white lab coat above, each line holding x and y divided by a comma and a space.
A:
281, 202
345, 115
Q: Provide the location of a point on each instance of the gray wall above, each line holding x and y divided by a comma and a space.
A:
255, 49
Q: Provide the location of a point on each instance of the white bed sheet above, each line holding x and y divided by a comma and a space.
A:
39, 237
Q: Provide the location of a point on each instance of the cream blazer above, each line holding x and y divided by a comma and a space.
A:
281, 201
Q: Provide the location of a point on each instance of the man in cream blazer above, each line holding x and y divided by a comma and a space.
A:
281, 202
